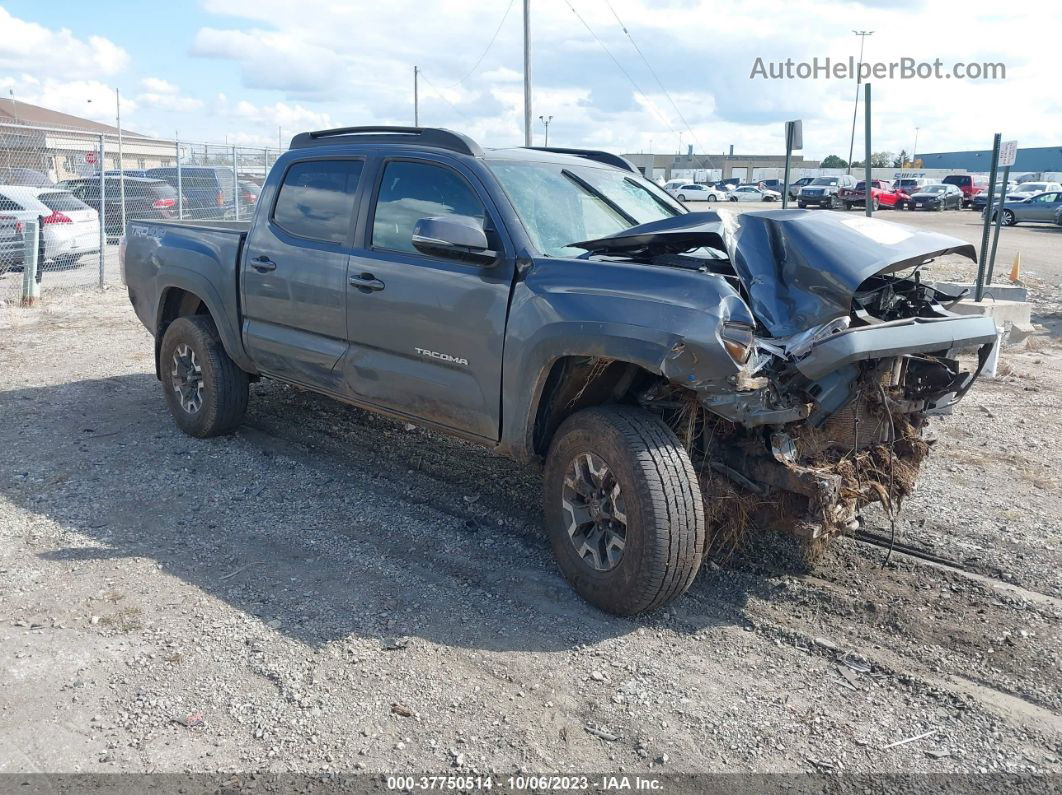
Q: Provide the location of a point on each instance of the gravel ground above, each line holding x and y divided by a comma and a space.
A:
330, 590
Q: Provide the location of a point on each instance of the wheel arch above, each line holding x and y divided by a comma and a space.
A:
179, 298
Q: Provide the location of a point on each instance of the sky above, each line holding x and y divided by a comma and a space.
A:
248, 71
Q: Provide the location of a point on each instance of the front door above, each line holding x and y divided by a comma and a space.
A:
1043, 207
426, 333
295, 273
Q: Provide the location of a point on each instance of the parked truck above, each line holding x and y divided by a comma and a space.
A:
666, 367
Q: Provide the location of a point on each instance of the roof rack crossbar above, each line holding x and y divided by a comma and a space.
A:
426, 136
591, 154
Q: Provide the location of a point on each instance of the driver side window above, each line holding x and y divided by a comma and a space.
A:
411, 191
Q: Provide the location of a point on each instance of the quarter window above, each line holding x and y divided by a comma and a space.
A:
316, 200
411, 191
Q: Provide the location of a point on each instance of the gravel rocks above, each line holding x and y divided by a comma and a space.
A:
281, 599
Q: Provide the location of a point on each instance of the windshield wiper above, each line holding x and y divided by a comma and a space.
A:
663, 205
582, 183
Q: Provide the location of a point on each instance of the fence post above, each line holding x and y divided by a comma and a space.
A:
868, 189
31, 289
235, 186
180, 195
103, 210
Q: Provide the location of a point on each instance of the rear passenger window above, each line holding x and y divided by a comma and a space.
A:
316, 199
9, 205
411, 191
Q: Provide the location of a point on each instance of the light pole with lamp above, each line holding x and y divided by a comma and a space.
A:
545, 122
862, 34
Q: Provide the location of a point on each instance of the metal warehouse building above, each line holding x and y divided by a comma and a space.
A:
1039, 158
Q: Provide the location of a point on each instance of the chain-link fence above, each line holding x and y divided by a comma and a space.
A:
78, 188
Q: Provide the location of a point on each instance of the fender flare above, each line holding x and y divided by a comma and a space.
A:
198, 285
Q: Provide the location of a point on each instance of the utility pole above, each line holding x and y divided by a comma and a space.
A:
545, 121
121, 155
416, 98
527, 72
862, 34
280, 140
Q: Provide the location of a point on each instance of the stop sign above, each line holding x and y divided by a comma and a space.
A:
90, 157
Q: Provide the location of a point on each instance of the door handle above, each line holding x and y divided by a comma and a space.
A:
263, 264
366, 282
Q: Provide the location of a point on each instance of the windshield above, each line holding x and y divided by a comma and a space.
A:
560, 205
934, 189
1032, 187
824, 181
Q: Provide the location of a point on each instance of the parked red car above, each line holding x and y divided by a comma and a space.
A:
968, 184
882, 194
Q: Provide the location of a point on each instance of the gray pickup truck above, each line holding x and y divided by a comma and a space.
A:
676, 371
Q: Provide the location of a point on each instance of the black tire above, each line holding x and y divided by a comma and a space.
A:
802, 205
875, 205
711, 197
664, 512
1009, 219
828, 204
733, 198
682, 197
222, 399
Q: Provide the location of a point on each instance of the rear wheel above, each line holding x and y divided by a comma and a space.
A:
623, 509
682, 197
711, 197
802, 205
205, 390
1008, 218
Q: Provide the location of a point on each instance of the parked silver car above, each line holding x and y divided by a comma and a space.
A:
11, 243
1040, 208
71, 227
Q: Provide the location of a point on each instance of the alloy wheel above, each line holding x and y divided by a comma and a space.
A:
186, 378
593, 504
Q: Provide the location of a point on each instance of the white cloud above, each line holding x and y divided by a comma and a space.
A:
156, 85
28, 46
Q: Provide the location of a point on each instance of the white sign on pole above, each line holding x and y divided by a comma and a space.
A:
1008, 153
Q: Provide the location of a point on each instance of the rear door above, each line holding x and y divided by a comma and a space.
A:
294, 281
426, 333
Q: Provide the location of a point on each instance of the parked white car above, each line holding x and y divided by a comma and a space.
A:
71, 227
1027, 190
751, 193
695, 192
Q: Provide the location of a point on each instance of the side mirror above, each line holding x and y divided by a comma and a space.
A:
455, 237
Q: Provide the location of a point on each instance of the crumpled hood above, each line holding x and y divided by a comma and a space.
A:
801, 268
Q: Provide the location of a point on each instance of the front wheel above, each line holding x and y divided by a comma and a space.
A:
1008, 218
733, 198
682, 197
875, 205
802, 205
205, 389
711, 198
623, 509
828, 204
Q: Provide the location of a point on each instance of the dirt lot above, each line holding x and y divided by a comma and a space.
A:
329, 590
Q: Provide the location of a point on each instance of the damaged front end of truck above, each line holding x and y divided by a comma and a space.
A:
835, 355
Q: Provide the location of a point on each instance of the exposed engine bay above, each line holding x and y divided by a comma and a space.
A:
809, 399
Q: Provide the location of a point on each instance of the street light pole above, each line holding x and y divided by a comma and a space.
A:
121, 155
527, 72
914, 149
862, 34
416, 97
545, 121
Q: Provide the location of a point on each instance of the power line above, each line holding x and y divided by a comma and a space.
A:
620, 66
443, 96
490, 44
659, 83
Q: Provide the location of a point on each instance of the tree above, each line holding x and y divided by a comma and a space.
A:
881, 159
833, 161
900, 160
